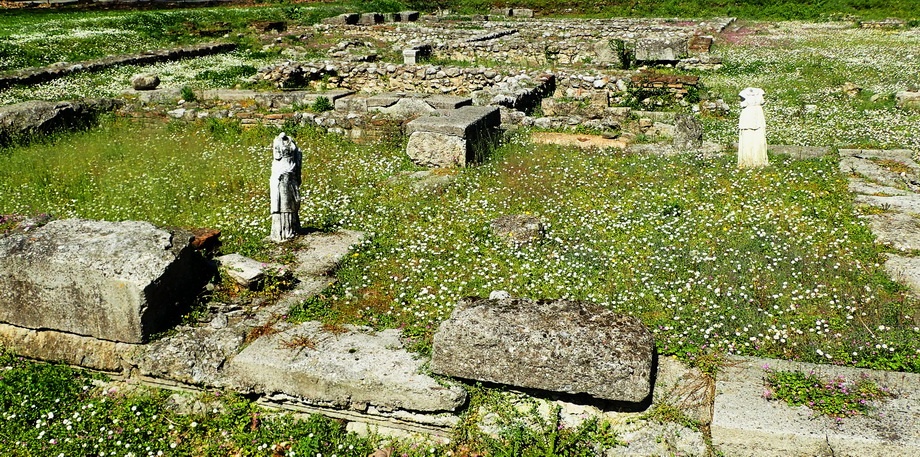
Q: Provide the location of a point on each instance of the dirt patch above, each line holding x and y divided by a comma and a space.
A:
578, 140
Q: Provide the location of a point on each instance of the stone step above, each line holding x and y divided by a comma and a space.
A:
747, 424
354, 370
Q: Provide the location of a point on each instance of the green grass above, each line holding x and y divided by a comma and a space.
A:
837, 398
32, 38
746, 9
52, 410
772, 263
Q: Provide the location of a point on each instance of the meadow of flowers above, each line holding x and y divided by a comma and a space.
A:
801, 64
775, 262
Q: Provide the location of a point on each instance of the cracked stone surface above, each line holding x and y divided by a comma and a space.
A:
352, 369
747, 424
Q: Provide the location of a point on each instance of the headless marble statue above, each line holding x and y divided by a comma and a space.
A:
752, 135
285, 188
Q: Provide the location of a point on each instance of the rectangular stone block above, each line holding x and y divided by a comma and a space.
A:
464, 122
409, 16
552, 345
370, 19
522, 12
416, 54
448, 102
661, 49
351, 105
342, 19
116, 281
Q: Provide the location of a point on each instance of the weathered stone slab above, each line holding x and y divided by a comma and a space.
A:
898, 230
448, 102
406, 108
117, 281
437, 150
245, 271
522, 12
323, 252
661, 49
52, 346
907, 203
370, 19
464, 122
461, 137
343, 19
688, 133
416, 54
905, 270
409, 16
353, 369
746, 424
35, 117
351, 104
559, 346
906, 99
194, 355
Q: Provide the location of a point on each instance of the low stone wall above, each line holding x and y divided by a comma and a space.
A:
51, 72
21, 121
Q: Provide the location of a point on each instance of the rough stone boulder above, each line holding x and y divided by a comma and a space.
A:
907, 99
40, 117
554, 345
518, 229
115, 281
145, 81
688, 133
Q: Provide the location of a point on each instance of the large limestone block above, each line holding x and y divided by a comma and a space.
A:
116, 281
555, 345
466, 122
437, 150
354, 369
660, 49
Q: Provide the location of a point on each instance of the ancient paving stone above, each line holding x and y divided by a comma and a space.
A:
909, 203
905, 270
354, 369
83, 351
117, 281
552, 345
245, 271
322, 252
898, 230
747, 424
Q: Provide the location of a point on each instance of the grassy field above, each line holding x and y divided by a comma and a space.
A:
775, 262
